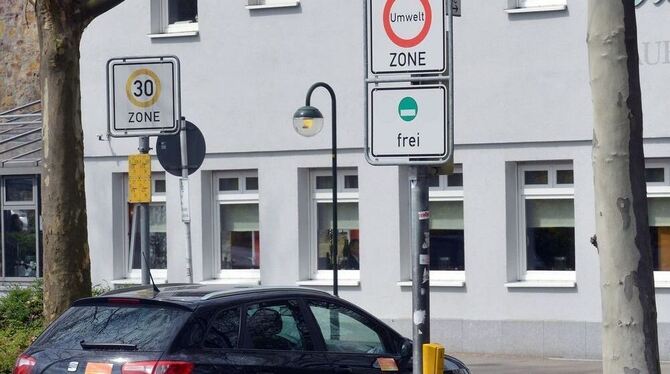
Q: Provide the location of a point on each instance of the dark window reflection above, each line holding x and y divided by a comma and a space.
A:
229, 184
182, 11
455, 180
223, 330
157, 238
19, 188
252, 183
536, 177
565, 177
20, 243
141, 326
446, 250
324, 182
240, 236
550, 234
654, 174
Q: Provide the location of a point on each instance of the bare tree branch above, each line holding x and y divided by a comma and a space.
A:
94, 8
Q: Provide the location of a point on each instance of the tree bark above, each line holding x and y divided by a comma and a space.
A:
630, 341
67, 269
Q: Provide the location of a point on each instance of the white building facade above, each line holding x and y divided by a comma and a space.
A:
513, 268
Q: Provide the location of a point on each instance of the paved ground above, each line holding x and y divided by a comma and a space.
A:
494, 364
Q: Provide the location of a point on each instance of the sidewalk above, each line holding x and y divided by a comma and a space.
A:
495, 364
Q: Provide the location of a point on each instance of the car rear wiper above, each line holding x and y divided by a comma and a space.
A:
108, 346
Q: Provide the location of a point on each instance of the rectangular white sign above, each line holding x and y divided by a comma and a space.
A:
143, 96
406, 36
407, 123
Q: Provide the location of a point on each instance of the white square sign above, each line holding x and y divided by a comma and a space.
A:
143, 96
407, 124
406, 36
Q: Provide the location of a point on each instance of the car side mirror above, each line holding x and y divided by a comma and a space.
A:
406, 349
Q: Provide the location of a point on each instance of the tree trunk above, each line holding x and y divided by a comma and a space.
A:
630, 341
67, 270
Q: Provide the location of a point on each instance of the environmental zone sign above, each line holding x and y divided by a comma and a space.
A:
407, 124
143, 96
406, 36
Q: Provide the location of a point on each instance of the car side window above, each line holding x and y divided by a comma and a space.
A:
276, 326
344, 330
223, 330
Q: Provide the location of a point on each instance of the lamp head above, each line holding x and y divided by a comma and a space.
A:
307, 121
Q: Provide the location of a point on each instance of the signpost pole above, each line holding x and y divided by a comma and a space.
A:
144, 223
420, 234
186, 216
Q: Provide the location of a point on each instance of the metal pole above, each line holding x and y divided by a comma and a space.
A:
144, 224
420, 218
335, 234
185, 205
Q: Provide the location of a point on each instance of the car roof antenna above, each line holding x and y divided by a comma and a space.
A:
156, 290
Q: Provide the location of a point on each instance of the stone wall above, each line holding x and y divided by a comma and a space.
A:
19, 54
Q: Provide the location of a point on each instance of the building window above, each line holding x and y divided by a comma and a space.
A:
238, 233
157, 254
347, 224
546, 222
179, 16
21, 231
657, 174
447, 234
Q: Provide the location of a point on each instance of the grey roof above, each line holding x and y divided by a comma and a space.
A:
21, 136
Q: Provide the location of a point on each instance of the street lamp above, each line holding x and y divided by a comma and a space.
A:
308, 121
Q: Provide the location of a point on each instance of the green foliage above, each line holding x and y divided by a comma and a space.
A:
22, 306
20, 322
15, 339
100, 289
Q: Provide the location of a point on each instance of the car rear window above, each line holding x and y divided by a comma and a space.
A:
148, 327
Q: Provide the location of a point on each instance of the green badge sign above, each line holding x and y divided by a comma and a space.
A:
408, 109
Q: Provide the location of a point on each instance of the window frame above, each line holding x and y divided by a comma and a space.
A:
317, 196
659, 190
445, 193
157, 198
548, 191
34, 204
240, 197
173, 28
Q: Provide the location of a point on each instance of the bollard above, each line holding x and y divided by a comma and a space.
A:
433, 358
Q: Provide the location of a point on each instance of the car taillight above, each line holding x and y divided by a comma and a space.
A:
24, 365
157, 367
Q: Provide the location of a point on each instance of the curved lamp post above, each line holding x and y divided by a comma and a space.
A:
308, 121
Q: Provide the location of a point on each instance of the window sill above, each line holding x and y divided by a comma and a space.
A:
233, 281
173, 34
437, 283
542, 284
534, 9
662, 284
134, 282
286, 4
329, 283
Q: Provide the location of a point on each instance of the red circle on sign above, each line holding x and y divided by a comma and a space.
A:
402, 42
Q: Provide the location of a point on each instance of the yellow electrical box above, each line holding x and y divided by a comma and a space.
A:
433, 358
139, 178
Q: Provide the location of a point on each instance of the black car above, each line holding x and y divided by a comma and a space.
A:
215, 329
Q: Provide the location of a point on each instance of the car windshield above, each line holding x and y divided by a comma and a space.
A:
146, 328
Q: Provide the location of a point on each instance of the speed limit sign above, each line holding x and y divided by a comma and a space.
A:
143, 96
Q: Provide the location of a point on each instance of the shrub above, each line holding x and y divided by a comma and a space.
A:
20, 322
